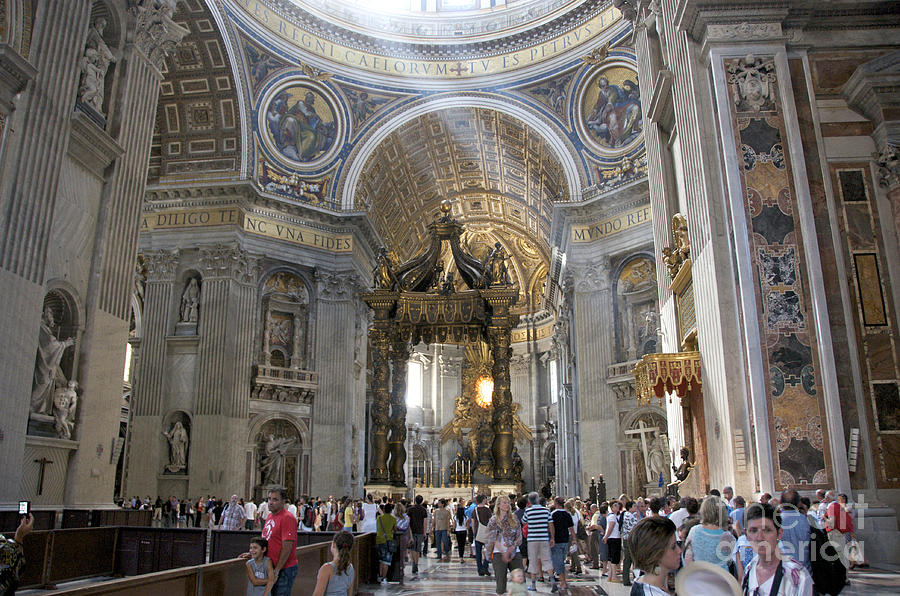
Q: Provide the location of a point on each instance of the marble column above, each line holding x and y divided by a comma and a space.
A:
228, 299
592, 303
149, 379
397, 438
335, 306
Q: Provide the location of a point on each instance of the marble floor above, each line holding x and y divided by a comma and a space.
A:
461, 579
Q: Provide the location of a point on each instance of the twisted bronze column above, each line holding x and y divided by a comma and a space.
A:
501, 449
381, 404
397, 425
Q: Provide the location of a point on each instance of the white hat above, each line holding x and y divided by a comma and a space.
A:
700, 578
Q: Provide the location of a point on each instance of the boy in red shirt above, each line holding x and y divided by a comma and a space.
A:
280, 530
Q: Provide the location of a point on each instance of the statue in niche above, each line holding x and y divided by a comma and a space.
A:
47, 373
354, 453
178, 445
657, 454
190, 302
271, 467
94, 63
64, 401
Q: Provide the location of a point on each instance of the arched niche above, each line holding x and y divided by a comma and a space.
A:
285, 321
100, 61
188, 302
175, 442
56, 361
636, 308
279, 455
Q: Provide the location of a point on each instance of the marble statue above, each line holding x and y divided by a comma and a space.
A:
658, 450
47, 373
178, 444
64, 401
190, 302
271, 467
94, 64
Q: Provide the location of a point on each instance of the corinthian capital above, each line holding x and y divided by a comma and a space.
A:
591, 277
520, 364
160, 265
337, 285
155, 33
223, 261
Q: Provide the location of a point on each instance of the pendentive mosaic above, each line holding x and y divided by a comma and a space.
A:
787, 331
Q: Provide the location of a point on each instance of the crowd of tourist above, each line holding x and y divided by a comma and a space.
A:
769, 545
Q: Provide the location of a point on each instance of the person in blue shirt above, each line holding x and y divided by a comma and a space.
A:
795, 539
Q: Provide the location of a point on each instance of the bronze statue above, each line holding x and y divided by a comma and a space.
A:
517, 464
675, 256
681, 472
495, 266
384, 278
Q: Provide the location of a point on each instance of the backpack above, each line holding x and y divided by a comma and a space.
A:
309, 516
828, 572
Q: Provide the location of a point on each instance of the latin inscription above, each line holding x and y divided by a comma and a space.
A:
612, 225
428, 69
252, 223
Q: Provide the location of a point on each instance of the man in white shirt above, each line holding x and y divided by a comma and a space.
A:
262, 512
292, 508
250, 514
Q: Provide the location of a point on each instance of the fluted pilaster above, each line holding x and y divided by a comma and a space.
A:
149, 381
592, 339
45, 113
337, 295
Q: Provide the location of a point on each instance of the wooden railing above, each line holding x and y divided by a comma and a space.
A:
169, 560
79, 518
230, 577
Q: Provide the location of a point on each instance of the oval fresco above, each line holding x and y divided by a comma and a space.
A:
609, 112
300, 124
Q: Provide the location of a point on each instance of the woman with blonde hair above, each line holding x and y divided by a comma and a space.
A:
504, 538
711, 540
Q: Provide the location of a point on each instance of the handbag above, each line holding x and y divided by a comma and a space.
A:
481, 535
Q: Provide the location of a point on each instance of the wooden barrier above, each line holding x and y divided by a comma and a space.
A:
53, 556
227, 544
148, 550
229, 577
43, 520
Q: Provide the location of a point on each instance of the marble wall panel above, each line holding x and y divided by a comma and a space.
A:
790, 356
874, 314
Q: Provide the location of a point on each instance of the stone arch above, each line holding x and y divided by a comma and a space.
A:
292, 468
575, 173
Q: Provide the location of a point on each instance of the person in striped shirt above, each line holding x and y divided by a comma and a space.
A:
540, 538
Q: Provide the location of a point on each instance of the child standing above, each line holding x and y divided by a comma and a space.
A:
336, 577
260, 572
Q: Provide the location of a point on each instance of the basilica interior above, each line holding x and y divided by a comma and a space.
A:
443, 246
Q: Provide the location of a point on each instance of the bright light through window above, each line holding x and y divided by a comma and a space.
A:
554, 382
127, 363
414, 375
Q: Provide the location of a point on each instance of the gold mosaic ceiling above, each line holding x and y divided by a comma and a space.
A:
499, 174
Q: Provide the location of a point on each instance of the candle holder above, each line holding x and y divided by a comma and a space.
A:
442, 478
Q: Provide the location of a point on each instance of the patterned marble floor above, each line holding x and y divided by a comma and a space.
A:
461, 579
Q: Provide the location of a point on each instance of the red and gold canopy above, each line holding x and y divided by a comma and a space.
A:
658, 374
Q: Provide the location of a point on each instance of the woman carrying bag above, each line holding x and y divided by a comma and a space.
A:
504, 535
